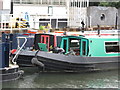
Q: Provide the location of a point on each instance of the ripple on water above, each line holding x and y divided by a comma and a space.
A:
107, 79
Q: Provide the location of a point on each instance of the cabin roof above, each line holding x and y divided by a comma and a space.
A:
81, 36
44, 34
92, 37
102, 37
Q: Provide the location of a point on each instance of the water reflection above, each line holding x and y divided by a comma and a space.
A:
107, 79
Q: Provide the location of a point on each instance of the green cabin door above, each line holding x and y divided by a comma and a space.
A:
84, 47
65, 45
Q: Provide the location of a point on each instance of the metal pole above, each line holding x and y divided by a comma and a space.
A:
116, 21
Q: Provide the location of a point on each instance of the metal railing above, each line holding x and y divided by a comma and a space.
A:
41, 2
19, 49
8, 21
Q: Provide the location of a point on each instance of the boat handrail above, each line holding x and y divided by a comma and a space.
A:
19, 51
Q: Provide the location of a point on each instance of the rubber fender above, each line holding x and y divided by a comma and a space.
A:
36, 62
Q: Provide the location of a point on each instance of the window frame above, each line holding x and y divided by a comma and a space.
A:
109, 45
86, 47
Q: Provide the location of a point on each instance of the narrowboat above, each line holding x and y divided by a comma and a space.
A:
54, 52
30, 47
81, 54
72, 53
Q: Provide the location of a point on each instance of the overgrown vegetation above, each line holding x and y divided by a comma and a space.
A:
107, 4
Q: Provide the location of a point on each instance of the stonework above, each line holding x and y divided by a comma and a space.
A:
103, 16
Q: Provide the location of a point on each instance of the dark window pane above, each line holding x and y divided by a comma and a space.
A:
112, 47
83, 48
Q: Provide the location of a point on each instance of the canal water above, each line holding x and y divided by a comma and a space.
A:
32, 78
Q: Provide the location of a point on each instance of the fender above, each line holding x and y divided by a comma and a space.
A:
36, 62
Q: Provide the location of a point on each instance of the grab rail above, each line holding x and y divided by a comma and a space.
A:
19, 50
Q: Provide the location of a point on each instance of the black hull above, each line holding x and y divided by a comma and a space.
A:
10, 74
24, 61
62, 63
24, 58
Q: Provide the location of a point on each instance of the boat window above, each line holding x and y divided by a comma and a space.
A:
47, 40
74, 46
83, 48
112, 47
74, 43
59, 38
65, 41
42, 39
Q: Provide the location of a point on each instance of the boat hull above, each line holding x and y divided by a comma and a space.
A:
10, 73
63, 63
24, 58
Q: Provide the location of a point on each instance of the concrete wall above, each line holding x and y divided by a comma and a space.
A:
1, 4
94, 16
40, 10
76, 16
119, 18
6, 4
4, 9
4, 17
43, 12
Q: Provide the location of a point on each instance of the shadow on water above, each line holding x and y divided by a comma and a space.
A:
33, 79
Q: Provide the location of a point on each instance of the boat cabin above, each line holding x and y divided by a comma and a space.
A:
48, 39
94, 46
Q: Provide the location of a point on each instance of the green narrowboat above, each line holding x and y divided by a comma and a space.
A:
82, 54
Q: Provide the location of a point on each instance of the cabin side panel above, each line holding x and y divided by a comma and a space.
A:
97, 47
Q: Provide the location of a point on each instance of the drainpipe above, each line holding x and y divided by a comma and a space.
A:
11, 7
116, 21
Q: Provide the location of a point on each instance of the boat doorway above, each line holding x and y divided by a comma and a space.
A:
84, 47
65, 45
71, 45
45, 39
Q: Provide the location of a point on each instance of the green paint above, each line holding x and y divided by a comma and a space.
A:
90, 47
97, 47
43, 47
